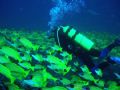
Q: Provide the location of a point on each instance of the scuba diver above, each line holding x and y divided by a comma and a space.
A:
79, 45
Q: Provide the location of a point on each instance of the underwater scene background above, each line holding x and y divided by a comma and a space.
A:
29, 14
31, 61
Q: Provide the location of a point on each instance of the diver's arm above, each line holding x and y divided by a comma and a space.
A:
106, 50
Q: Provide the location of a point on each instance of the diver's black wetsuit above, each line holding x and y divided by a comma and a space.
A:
71, 47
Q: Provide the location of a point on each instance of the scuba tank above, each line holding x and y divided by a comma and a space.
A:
78, 38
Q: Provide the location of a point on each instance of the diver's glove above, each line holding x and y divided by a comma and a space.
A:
97, 71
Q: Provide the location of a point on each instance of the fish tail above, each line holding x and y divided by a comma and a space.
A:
12, 80
27, 72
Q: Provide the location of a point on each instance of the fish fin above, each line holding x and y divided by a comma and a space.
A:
32, 68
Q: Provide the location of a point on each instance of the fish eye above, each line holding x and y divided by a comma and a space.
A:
20, 46
65, 70
18, 37
56, 70
71, 85
97, 82
81, 73
60, 78
21, 54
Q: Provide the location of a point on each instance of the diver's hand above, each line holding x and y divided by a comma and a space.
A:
97, 71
